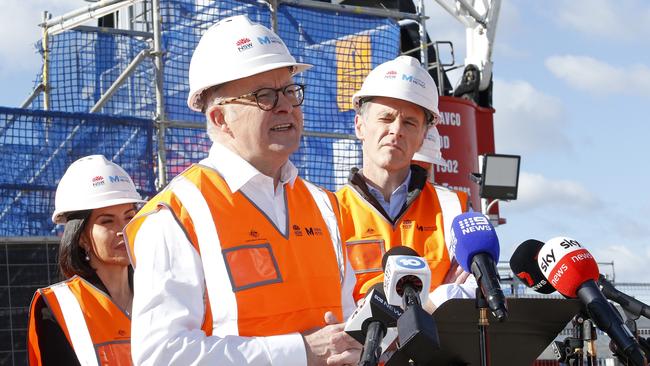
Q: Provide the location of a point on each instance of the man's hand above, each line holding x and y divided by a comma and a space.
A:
330, 345
455, 274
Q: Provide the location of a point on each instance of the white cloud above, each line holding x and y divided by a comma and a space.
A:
630, 264
620, 20
20, 31
537, 192
597, 77
527, 120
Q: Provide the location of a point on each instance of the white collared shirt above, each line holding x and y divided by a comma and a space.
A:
169, 284
241, 175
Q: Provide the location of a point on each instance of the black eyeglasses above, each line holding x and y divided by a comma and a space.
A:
267, 98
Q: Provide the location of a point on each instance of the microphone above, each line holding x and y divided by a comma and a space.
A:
370, 323
475, 243
573, 271
407, 278
627, 302
405, 269
523, 264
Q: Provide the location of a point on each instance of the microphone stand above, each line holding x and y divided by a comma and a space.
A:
483, 323
579, 335
589, 336
570, 351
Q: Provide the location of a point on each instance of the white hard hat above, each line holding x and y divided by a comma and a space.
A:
232, 49
430, 150
402, 78
92, 182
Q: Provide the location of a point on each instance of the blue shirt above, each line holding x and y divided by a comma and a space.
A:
397, 198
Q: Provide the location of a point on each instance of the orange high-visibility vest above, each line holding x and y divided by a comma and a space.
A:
259, 281
97, 329
368, 234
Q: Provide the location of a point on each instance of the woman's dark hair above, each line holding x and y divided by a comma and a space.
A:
72, 257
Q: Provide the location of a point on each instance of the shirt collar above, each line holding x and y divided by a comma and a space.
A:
402, 188
237, 172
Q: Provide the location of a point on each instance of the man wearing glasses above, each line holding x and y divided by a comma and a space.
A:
239, 261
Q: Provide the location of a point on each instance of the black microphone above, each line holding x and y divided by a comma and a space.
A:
627, 302
370, 322
523, 264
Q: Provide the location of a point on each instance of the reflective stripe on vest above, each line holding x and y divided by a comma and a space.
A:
451, 207
224, 312
76, 324
326, 210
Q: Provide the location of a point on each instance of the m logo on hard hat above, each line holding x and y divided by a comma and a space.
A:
118, 178
268, 40
413, 80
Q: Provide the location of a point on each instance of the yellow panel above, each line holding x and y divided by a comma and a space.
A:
352, 66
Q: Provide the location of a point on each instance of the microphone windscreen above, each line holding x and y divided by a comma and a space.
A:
523, 264
398, 250
472, 234
567, 265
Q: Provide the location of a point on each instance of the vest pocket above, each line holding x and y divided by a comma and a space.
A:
365, 255
251, 265
114, 353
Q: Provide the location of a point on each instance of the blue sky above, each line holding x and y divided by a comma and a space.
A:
571, 90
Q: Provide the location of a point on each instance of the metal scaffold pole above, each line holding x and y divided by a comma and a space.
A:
46, 64
424, 57
160, 117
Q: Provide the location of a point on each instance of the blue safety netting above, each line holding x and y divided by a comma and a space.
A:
83, 64
37, 147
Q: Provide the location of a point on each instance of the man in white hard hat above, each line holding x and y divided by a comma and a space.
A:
389, 202
239, 261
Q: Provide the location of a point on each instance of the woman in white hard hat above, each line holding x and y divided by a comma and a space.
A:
86, 318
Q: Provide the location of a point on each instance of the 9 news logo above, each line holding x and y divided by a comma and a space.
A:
411, 262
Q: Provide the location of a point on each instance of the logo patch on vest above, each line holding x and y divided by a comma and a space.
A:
425, 228
313, 231
296, 230
407, 224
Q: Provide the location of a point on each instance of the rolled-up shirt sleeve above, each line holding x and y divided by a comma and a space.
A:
169, 308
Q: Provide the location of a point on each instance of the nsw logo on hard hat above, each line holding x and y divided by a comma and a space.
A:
244, 44
98, 181
391, 75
